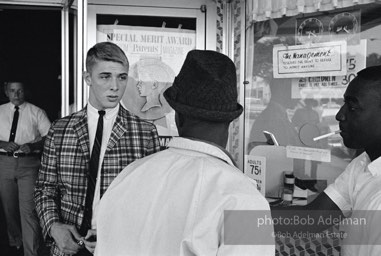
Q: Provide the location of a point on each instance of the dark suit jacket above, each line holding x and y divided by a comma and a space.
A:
62, 182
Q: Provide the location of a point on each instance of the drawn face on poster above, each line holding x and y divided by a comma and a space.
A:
148, 79
151, 90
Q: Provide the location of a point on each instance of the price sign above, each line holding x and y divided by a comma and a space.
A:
255, 168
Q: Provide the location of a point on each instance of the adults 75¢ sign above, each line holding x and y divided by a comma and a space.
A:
255, 168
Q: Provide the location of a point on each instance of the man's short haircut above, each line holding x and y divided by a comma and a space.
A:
11, 80
14, 81
371, 77
372, 73
105, 51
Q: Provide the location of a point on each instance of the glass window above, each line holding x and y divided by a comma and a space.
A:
297, 70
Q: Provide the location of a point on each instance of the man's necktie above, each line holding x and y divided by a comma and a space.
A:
14, 124
92, 175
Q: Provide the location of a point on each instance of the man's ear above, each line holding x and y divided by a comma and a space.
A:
87, 77
155, 84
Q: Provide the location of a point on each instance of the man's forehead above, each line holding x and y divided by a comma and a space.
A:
108, 72
362, 91
110, 67
15, 85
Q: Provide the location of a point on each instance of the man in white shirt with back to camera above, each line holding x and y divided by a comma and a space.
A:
23, 127
181, 201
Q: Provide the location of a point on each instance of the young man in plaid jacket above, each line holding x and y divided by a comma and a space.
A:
62, 185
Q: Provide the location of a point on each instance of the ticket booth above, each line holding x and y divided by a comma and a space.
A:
292, 94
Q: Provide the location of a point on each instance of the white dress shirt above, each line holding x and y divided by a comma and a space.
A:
108, 122
357, 192
33, 123
173, 203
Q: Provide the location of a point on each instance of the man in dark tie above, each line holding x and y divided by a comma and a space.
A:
85, 151
23, 127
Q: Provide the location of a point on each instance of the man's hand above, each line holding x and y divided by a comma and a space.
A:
66, 237
9, 146
26, 148
91, 240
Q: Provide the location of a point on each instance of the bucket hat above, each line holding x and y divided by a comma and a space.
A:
206, 87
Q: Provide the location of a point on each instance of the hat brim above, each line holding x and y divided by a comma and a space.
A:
204, 114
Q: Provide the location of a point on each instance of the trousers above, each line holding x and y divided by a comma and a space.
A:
17, 182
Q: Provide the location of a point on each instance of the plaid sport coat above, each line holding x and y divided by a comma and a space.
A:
62, 180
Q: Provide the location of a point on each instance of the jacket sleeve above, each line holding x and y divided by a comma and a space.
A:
153, 144
47, 191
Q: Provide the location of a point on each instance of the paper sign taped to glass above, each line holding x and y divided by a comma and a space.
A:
310, 60
332, 86
266, 165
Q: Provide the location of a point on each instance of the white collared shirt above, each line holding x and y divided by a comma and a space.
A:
357, 192
173, 203
108, 122
33, 123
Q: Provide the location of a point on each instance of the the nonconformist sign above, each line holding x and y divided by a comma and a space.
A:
310, 60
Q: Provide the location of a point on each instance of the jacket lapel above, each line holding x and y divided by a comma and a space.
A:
119, 128
82, 132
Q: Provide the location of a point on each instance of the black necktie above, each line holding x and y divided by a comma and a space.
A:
14, 124
92, 175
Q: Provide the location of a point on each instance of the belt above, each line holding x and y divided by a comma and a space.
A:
19, 154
